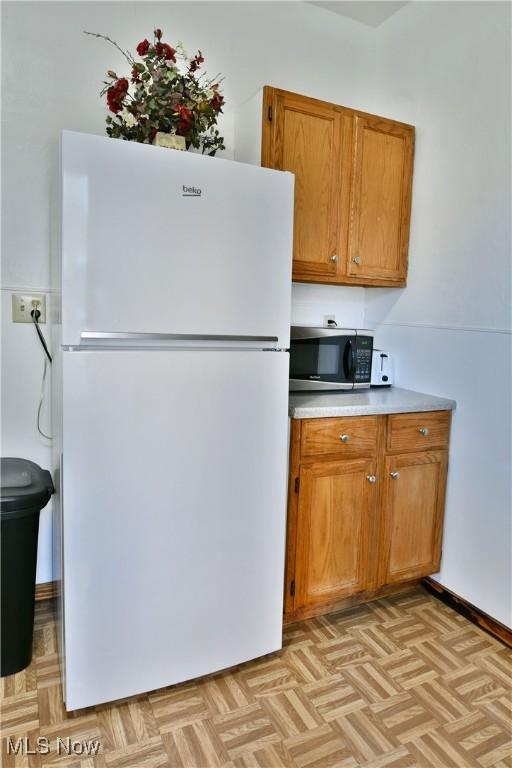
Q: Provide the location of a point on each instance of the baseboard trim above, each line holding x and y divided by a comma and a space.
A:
469, 611
46, 591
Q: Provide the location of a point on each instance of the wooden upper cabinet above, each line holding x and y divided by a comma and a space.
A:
413, 514
353, 177
306, 141
335, 507
380, 199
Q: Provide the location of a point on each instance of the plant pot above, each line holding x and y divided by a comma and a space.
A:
169, 140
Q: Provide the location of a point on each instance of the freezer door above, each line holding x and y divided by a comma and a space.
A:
174, 473
160, 241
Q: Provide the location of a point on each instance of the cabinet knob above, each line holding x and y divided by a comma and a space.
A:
423, 431
356, 259
394, 475
334, 257
371, 478
344, 438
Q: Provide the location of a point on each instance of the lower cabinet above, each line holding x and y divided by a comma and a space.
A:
335, 512
413, 507
358, 527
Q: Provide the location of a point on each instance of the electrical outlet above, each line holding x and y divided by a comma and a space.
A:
329, 321
23, 304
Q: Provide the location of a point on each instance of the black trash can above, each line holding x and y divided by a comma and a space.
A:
25, 490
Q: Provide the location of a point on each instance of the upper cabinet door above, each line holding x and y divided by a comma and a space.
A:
380, 200
302, 135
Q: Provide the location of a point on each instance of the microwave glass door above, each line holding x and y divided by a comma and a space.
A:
327, 358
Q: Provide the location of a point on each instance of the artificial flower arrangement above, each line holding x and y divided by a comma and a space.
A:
165, 93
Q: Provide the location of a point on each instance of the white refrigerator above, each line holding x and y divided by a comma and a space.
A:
172, 283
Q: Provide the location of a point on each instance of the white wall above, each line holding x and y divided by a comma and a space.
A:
446, 68
22, 361
51, 82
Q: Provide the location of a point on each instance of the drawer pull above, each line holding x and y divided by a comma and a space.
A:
394, 475
423, 431
344, 438
371, 478
334, 257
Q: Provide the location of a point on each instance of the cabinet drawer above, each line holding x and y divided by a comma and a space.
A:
415, 431
346, 437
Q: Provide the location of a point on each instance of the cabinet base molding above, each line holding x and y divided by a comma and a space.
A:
46, 591
469, 611
348, 602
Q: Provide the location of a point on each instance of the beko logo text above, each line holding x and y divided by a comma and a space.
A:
191, 191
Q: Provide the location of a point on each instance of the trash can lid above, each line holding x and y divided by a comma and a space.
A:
23, 486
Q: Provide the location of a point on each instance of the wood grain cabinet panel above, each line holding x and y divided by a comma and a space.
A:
365, 514
348, 437
335, 506
380, 199
353, 181
413, 514
418, 431
306, 142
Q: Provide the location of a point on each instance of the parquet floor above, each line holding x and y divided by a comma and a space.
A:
396, 683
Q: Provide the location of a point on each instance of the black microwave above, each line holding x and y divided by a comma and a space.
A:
330, 358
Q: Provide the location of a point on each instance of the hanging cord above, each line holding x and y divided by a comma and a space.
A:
41, 400
35, 315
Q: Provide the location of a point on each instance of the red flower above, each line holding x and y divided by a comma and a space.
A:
112, 100
196, 62
186, 116
170, 53
158, 34
165, 51
217, 101
143, 47
116, 94
135, 76
184, 112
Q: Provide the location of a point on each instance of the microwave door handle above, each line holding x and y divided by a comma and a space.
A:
348, 361
351, 361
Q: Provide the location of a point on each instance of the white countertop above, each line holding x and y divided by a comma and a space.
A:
365, 402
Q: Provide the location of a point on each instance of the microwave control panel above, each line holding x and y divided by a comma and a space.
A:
363, 363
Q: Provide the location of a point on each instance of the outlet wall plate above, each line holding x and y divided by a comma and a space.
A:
23, 304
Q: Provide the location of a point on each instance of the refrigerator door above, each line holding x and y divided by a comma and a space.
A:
160, 241
174, 487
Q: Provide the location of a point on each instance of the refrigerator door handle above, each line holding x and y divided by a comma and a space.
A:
88, 336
